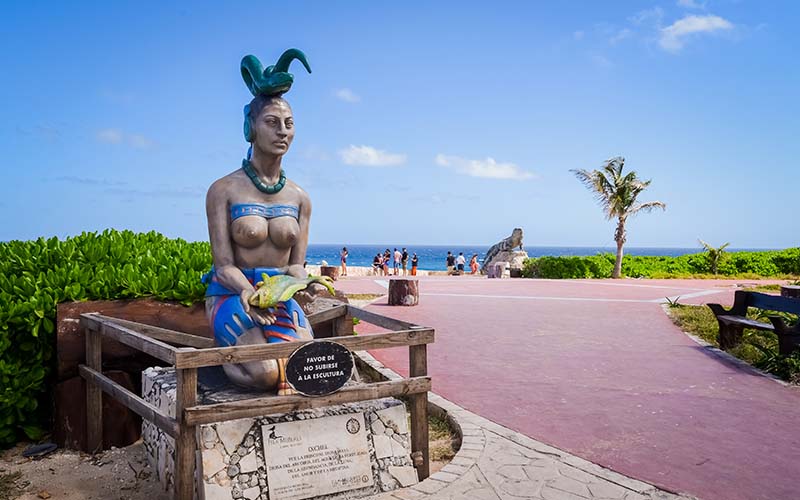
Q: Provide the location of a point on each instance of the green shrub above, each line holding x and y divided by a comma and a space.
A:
596, 266
748, 265
37, 275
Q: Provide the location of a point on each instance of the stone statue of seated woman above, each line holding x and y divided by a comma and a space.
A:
258, 223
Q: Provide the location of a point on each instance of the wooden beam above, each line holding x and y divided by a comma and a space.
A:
255, 407
124, 335
186, 442
382, 321
94, 395
187, 358
418, 367
327, 314
131, 400
162, 334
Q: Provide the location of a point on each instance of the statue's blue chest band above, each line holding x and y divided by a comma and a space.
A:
266, 211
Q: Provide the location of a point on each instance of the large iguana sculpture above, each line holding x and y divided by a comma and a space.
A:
505, 245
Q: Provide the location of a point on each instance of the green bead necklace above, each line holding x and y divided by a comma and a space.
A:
261, 185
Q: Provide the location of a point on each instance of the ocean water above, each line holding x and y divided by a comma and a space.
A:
432, 257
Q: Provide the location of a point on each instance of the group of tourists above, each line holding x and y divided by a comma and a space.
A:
455, 264
398, 259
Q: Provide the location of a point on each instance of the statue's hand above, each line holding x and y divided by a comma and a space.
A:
260, 316
303, 333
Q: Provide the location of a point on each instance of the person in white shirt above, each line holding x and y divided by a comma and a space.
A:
460, 261
397, 257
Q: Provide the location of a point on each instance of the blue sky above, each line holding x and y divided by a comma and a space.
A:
426, 124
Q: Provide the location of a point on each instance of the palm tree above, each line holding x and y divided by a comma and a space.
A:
715, 255
617, 194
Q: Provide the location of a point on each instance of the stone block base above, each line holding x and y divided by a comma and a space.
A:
232, 462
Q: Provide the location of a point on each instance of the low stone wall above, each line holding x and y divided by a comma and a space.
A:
353, 271
233, 464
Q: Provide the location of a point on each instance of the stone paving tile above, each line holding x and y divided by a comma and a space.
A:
496, 463
473, 486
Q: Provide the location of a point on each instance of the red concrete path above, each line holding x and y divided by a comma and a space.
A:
597, 369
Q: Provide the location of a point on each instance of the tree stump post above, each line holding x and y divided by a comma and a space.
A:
330, 271
403, 292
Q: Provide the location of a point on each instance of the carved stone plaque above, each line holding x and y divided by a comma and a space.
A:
309, 458
319, 368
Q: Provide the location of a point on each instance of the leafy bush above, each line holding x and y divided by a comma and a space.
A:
596, 266
750, 265
37, 275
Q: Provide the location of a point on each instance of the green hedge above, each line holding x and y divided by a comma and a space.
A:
766, 264
37, 275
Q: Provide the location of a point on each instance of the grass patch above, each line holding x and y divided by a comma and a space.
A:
363, 296
763, 288
440, 440
758, 348
8, 487
697, 320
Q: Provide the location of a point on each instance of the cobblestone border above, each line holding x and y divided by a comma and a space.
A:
471, 429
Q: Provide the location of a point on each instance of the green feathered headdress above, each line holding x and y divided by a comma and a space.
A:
275, 80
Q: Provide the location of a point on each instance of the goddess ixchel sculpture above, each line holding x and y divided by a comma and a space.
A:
258, 225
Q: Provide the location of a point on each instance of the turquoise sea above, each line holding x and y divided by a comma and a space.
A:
432, 257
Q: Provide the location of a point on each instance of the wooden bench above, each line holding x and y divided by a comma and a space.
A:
733, 321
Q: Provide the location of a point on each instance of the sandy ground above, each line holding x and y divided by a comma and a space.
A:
117, 474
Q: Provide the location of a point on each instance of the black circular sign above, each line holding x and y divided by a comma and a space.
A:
319, 368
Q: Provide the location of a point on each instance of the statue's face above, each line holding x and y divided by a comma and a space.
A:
274, 128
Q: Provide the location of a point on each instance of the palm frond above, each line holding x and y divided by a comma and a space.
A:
647, 207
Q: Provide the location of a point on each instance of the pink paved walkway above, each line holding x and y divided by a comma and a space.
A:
597, 369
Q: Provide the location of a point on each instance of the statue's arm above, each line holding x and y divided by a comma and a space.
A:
228, 274
298, 255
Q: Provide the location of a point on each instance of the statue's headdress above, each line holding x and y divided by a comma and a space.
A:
273, 81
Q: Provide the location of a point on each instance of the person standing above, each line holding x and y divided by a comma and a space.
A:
343, 255
404, 262
387, 256
451, 263
397, 258
460, 261
414, 262
377, 264
473, 264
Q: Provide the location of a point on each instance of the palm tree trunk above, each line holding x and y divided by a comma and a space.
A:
619, 237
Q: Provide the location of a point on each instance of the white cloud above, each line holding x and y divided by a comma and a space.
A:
139, 141
648, 16
109, 135
487, 168
601, 61
691, 4
346, 95
117, 136
620, 35
578, 35
673, 37
370, 157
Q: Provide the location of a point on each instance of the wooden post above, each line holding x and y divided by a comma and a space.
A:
418, 367
94, 395
186, 443
330, 271
403, 292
